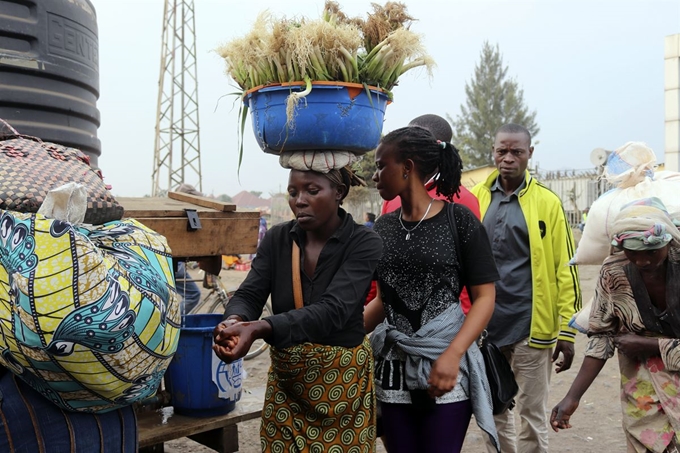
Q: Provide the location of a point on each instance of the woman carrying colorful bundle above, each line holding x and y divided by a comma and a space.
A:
320, 393
636, 309
430, 374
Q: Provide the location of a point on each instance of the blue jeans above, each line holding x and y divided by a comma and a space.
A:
30, 423
189, 291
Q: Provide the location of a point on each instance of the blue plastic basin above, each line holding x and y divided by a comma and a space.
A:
331, 117
193, 387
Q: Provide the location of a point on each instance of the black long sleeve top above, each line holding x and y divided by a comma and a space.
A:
333, 297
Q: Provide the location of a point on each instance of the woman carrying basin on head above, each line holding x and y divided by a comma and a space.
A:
320, 385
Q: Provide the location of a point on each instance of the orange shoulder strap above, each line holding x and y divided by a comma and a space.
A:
297, 282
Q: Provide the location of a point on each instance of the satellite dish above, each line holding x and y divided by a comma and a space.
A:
598, 156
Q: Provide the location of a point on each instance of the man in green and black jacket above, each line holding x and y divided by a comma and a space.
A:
538, 292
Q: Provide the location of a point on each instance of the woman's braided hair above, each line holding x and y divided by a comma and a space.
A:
429, 156
346, 177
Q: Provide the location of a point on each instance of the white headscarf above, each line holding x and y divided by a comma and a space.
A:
644, 225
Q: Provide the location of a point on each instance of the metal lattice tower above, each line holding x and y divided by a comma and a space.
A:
177, 155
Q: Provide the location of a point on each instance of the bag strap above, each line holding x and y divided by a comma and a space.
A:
482, 340
456, 242
14, 133
7, 125
297, 282
644, 303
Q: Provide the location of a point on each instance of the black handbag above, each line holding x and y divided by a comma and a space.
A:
500, 376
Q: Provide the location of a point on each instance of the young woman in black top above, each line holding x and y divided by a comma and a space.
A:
429, 371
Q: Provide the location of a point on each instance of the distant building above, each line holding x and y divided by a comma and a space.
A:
672, 101
280, 211
577, 189
246, 200
474, 176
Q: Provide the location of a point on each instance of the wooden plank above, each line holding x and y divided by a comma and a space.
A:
137, 207
217, 236
163, 425
202, 201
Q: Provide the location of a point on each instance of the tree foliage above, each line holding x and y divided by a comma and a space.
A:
365, 168
357, 195
492, 99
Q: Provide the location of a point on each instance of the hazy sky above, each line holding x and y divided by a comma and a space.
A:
593, 70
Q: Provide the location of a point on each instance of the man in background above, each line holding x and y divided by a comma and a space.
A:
369, 219
584, 217
262, 229
538, 291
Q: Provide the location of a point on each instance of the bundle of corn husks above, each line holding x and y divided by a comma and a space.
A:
374, 51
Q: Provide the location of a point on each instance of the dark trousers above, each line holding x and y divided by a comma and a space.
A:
188, 290
439, 429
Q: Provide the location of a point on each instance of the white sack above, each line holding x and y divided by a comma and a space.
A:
630, 169
321, 161
67, 203
594, 245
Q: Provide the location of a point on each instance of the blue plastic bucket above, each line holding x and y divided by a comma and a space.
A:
334, 116
198, 387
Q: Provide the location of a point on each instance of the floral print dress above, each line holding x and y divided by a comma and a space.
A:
650, 389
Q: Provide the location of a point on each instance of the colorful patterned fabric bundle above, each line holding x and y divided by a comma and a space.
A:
88, 315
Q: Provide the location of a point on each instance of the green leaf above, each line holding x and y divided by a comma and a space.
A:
243, 114
370, 101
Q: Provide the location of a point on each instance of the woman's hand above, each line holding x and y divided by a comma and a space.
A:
444, 374
567, 350
231, 320
445, 369
590, 368
560, 415
637, 347
234, 339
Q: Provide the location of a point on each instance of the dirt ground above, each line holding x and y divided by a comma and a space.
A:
597, 422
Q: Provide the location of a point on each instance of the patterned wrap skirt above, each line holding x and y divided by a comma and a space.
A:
319, 399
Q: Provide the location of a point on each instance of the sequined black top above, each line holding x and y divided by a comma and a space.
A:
419, 278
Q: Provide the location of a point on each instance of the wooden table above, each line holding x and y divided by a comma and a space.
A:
224, 230
219, 433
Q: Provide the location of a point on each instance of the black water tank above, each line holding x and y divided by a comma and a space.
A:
49, 71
